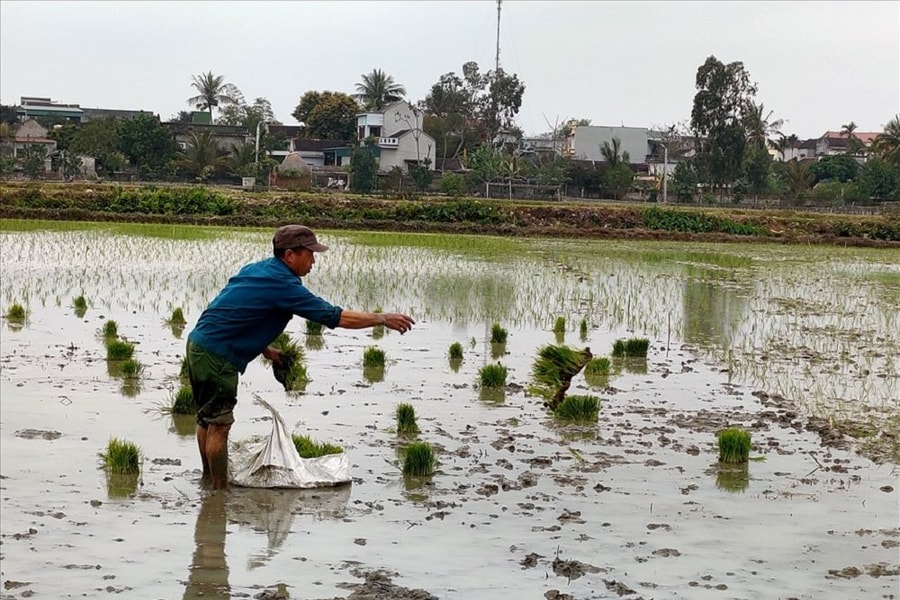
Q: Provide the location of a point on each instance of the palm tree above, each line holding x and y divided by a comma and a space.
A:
378, 89
212, 92
201, 158
853, 143
887, 144
799, 177
612, 155
759, 126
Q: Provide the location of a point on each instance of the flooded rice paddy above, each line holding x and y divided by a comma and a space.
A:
798, 345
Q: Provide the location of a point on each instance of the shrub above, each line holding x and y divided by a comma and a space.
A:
578, 409
734, 445
418, 460
373, 356
456, 351
453, 185
498, 334
406, 419
309, 448
493, 375
119, 350
121, 456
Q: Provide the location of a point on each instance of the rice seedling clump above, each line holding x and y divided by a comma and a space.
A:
598, 366
110, 329
583, 329
631, 348
79, 303
560, 325
734, 445
373, 356
493, 375
498, 334
313, 328
578, 409
554, 369
456, 351
309, 448
406, 419
16, 312
418, 460
119, 350
183, 402
177, 319
132, 368
121, 456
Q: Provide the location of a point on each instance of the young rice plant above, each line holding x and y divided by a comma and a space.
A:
578, 409
498, 334
373, 356
418, 460
119, 350
406, 419
493, 375
121, 456
309, 448
734, 445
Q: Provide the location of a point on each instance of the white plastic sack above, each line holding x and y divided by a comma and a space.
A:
273, 462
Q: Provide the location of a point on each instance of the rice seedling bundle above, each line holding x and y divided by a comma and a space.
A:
16, 312
313, 328
291, 373
560, 325
456, 351
119, 350
493, 375
177, 319
373, 356
578, 409
121, 456
597, 366
498, 334
309, 448
406, 419
183, 402
734, 445
633, 347
418, 460
131, 368
110, 329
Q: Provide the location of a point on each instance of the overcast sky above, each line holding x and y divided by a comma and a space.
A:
818, 65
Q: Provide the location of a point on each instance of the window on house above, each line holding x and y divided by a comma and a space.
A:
375, 131
361, 134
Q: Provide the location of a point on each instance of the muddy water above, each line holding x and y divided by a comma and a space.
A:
520, 506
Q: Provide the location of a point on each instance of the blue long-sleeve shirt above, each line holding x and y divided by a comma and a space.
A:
254, 307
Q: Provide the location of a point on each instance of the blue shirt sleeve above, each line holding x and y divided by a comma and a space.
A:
297, 299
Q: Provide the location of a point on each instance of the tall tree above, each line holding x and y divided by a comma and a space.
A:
853, 144
248, 115
378, 89
887, 144
761, 129
613, 153
202, 158
327, 115
724, 92
147, 144
212, 91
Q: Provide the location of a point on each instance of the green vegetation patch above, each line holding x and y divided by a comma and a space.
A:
631, 348
498, 334
119, 350
419, 460
493, 375
16, 312
406, 419
291, 373
309, 448
578, 409
121, 456
456, 351
734, 445
373, 356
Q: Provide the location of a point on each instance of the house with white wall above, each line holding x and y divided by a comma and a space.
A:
399, 137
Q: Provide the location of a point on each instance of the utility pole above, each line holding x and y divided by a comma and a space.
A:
497, 56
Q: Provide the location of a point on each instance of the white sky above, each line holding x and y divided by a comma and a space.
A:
818, 65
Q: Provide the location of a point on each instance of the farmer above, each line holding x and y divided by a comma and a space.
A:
240, 323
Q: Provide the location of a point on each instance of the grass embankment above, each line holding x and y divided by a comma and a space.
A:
591, 219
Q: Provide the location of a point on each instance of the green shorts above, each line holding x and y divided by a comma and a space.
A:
214, 383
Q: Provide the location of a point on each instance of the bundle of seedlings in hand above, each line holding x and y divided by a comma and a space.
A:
290, 373
121, 456
631, 348
16, 313
493, 375
554, 369
578, 409
309, 448
118, 349
498, 334
313, 328
734, 445
110, 330
418, 460
373, 356
406, 419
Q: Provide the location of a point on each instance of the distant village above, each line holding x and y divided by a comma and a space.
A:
397, 138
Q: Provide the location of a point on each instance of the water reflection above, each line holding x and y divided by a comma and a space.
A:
122, 485
713, 312
314, 341
373, 374
732, 477
259, 510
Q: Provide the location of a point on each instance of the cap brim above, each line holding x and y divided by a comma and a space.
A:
317, 247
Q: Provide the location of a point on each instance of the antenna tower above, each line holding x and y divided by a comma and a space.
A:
497, 56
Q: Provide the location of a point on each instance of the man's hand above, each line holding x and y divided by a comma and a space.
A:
397, 321
274, 354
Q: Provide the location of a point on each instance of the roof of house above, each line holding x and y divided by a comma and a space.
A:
866, 137
232, 130
316, 145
